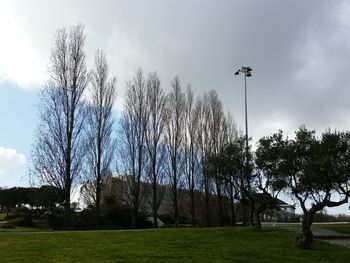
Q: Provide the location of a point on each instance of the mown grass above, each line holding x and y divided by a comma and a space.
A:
341, 228
2, 216
164, 245
21, 229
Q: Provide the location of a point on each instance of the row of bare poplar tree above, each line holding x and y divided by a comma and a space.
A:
162, 138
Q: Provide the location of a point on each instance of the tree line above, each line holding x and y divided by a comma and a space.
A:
45, 196
176, 139
162, 138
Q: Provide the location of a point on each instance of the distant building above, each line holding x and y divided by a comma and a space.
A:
285, 207
284, 213
117, 188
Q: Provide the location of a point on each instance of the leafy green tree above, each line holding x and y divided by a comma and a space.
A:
314, 171
244, 182
238, 170
215, 168
45, 197
253, 182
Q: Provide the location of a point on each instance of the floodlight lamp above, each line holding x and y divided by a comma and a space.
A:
237, 72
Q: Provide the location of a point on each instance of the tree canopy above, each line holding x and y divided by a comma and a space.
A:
312, 170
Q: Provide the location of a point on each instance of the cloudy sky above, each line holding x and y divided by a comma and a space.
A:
299, 52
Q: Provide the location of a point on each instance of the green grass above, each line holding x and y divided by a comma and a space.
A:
165, 245
2, 216
341, 228
22, 229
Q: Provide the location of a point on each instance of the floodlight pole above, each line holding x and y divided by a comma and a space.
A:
246, 117
247, 73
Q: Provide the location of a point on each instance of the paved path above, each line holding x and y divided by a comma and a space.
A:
331, 236
319, 232
339, 242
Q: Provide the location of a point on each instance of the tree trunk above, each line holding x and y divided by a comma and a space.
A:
134, 219
244, 208
233, 216
221, 210
155, 203
305, 238
67, 211
176, 210
219, 196
135, 209
252, 208
207, 212
99, 175
193, 212
98, 204
232, 206
257, 222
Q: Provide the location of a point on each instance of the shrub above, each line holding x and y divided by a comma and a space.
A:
167, 219
12, 216
55, 221
84, 220
7, 225
27, 221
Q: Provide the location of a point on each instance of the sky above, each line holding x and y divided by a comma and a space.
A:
299, 52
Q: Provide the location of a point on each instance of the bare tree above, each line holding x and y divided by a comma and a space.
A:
232, 166
217, 136
203, 140
154, 140
191, 150
174, 137
213, 133
132, 150
59, 147
101, 145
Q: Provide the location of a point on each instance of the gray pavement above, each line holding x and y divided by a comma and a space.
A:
319, 232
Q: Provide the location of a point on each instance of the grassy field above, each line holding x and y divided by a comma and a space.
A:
2, 216
164, 245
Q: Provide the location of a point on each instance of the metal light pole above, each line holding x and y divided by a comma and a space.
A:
247, 71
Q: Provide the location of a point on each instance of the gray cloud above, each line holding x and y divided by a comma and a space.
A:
299, 51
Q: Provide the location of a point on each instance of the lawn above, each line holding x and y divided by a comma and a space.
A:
2, 216
164, 245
